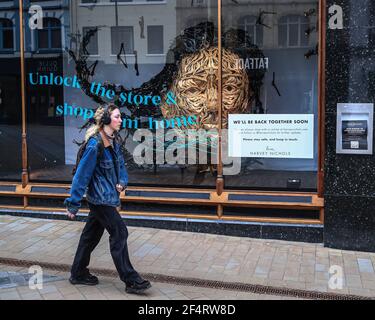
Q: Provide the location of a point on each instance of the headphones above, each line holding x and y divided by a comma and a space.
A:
106, 118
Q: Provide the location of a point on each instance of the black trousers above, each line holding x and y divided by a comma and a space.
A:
100, 218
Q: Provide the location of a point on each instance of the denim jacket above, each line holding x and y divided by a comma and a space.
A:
98, 177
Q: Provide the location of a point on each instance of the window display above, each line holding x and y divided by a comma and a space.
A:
287, 84
10, 98
159, 62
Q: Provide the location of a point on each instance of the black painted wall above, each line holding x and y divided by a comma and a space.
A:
350, 78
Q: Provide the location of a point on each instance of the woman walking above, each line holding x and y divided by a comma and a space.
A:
101, 170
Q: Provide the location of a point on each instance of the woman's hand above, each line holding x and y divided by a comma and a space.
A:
70, 215
120, 188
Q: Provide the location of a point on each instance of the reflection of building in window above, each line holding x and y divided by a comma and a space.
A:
122, 35
253, 30
128, 0
6, 35
199, 3
49, 38
92, 46
194, 22
155, 39
292, 31
133, 19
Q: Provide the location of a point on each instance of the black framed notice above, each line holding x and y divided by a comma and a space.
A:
354, 128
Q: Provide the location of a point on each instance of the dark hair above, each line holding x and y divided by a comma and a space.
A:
105, 118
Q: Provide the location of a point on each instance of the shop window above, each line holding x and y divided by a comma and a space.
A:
122, 37
6, 35
136, 1
49, 38
199, 3
275, 80
252, 29
155, 39
292, 31
92, 47
193, 22
10, 102
56, 113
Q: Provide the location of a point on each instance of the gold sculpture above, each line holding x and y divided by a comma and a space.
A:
196, 89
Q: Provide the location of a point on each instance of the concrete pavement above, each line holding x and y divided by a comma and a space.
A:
292, 265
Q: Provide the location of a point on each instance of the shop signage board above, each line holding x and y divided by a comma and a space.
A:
271, 135
354, 131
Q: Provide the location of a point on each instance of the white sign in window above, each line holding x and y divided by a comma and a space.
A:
271, 135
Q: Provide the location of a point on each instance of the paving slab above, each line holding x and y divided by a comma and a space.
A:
195, 255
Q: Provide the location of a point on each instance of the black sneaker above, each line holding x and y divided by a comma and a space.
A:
138, 286
88, 279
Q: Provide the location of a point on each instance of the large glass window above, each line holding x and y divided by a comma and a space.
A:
253, 28
6, 35
269, 89
44, 57
155, 39
139, 51
10, 97
92, 46
294, 31
49, 37
159, 62
122, 39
